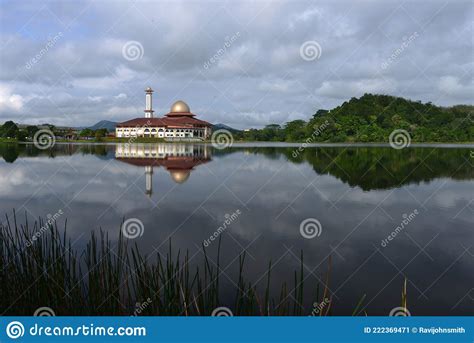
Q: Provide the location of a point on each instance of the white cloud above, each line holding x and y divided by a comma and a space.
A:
10, 101
85, 77
343, 89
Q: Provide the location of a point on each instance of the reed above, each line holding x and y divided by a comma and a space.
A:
40, 267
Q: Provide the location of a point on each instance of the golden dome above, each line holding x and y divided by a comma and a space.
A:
180, 176
180, 107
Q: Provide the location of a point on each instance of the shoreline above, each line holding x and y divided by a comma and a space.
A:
269, 144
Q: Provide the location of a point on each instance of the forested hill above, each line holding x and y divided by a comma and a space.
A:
371, 118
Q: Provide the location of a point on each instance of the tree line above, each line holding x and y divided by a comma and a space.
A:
9, 130
371, 118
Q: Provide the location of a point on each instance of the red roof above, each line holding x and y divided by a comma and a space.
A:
171, 121
170, 163
178, 114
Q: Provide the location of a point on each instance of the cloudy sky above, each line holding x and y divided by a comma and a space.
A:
242, 63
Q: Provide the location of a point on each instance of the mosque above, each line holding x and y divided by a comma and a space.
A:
179, 159
179, 124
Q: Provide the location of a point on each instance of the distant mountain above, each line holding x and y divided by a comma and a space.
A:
104, 124
223, 127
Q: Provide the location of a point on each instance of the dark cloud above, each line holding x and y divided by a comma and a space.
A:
236, 62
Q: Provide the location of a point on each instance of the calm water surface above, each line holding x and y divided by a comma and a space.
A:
360, 195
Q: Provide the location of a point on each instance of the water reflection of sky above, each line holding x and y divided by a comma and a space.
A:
274, 195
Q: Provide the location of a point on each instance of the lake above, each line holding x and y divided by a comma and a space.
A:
373, 215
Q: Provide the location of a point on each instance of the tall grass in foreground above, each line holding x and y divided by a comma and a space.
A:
109, 280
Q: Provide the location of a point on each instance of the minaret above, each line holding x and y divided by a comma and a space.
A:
148, 103
149, 180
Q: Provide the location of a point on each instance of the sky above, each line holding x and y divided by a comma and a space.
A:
241, 63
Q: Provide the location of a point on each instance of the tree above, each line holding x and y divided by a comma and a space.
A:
8, 130
31, 130
99, 134
21, 135
295, 130
86, 133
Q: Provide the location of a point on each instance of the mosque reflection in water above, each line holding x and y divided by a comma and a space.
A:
178, 159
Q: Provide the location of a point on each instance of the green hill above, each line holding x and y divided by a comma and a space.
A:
371, 118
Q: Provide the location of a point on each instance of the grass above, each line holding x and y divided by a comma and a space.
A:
109, 279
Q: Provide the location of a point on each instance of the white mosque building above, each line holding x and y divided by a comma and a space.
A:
178, 159
179, 124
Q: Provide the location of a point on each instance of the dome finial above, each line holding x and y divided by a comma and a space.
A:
180, 107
